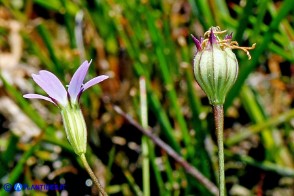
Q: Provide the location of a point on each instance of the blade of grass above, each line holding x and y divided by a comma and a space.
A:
131, 46
15, 12
152, 98
31, 112
248, 67
281, 43
8, 155
265, 165
145, 146
132, 182
163, 120
262, 8
38, 52
165, 74
257, 128
201, 159
243, 21
50, 5
157, 173
69, 23
18, 169
189, 168
56, 5
204, 13
171, 180
274, 151
47, 38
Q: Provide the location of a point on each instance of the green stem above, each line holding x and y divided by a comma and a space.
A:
218, 112
92, 175
145, 146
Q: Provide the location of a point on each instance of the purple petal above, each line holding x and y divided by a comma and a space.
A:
37, 96
76, 82
201, 39
52, 86
94, 81
212, 38
197, 43
229, 36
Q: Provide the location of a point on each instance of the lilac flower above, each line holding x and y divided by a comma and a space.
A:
72, 117
57, 94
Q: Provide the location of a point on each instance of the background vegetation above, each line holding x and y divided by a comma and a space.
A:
129, 40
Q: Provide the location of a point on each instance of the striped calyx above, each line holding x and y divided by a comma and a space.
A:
215, 65
75, 128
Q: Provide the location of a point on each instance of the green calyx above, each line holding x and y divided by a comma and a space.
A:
75, 128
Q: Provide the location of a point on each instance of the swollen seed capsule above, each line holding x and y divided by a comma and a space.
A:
215, 65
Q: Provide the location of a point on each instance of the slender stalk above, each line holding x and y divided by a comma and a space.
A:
92, 175
145, 146
218, 112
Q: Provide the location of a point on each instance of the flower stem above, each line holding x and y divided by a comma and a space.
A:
218, 112
92, 175
145, 141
